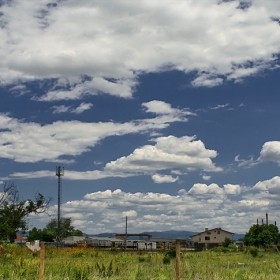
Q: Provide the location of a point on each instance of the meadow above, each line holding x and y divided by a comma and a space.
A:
18, 263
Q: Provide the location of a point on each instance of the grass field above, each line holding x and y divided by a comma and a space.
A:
86, 263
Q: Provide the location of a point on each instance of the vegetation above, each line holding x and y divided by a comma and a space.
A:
49, 233
14, 211
18, 263
261, 235
227, 242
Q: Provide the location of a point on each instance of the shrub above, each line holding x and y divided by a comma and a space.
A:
166, 260
171, 252
220, 249
253, 251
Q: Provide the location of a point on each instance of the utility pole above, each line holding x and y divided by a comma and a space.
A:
125, 232
59, 173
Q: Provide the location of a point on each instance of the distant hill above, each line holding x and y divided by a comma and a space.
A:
173, 234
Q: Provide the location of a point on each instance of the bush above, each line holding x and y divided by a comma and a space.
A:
171, 252
220, 249
166, 260
253, 251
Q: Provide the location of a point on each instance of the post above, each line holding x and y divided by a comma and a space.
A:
125, 232
177, 259
42, 261
59, 173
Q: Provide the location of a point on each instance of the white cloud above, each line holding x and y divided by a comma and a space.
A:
122, 88
203, 189
159, 179
60, 109
168, 153
130, 213
246, 163
219, 106
32, 142
202, 206
232, 189
206, 177
270, 152
82, 107
272, 186
113, 42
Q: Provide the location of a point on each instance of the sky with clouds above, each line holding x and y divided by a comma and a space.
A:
166, 112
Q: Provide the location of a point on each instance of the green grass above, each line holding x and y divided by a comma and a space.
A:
87, 264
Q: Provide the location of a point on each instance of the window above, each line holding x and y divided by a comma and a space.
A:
215, 237
208, 232
207, 237
218, 232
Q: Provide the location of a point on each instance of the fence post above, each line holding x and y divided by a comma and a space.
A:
177, 259
42, 261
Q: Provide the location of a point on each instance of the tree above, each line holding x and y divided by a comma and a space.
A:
14, 211
261, 235
40, 234
66, 228
227, 242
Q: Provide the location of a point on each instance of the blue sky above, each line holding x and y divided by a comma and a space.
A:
165, 112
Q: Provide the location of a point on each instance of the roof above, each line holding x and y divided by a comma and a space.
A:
21, 238
212, 230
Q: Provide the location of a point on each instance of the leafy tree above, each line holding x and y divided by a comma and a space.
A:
77, 232
65, 229
261, 235
39, 234
14, 211
226, 242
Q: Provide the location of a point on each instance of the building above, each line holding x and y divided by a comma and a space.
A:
167, 243
104, 242
73, 240
210, 238
20, 239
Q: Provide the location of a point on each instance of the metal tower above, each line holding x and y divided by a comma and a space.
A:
59, 173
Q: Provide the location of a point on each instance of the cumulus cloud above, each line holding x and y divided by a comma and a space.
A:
168, 153
270, 152
159, 179
272, 186
232, 189
203, 189
32, 142
112, 43
201, 206
206, 177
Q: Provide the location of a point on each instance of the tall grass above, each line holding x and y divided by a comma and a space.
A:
87, 264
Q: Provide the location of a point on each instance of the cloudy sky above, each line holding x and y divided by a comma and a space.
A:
166, 112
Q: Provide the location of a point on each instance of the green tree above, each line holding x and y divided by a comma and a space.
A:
77, 232
227, 242
261, 235
14, 211
66, 228
40, 234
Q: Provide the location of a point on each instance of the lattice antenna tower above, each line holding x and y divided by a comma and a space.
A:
59, 174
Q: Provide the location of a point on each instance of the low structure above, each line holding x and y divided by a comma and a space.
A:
166, 243
73, 240
20, 239
104, 242
141, 245
210, 238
